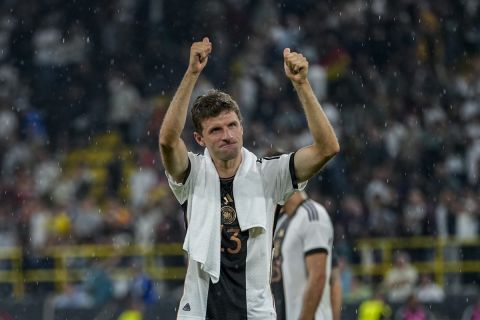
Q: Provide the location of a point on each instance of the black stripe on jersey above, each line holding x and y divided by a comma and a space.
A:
184, 207
278, 210
187, 173
312, 211
291, 166
271, 158
185, 204
267, 158
316, 250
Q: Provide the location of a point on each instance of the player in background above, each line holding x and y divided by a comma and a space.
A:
302, 262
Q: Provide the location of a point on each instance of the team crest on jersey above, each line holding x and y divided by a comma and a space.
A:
228, 215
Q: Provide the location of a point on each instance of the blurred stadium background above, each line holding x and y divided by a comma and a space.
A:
88, 227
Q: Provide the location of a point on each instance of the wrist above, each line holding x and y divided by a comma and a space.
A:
301, 84
192, 72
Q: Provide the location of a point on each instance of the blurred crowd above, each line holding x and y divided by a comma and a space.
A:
399, 80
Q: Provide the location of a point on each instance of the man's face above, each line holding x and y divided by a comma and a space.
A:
222, 135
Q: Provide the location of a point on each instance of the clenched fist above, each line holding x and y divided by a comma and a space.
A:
199, 55
295, 65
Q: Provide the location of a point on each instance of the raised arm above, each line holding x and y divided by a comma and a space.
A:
309, 160
172, 147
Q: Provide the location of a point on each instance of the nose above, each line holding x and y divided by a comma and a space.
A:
227, 134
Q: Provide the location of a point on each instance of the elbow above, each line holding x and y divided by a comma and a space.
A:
332, 150
163, 143
166, 140
335, 149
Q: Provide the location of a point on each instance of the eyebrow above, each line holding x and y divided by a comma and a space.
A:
213, 128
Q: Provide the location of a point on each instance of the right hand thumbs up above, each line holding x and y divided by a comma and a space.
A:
199, 55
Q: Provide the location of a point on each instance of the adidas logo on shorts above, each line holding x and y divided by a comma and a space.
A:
186, 307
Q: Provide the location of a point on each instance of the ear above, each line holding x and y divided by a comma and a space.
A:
198, 137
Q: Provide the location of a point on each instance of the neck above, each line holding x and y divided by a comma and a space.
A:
227, 169
294, 202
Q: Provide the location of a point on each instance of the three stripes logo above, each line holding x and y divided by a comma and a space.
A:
186, 307
311, 210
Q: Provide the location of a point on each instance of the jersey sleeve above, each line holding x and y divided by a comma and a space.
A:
317, 233
182, 190
279, 173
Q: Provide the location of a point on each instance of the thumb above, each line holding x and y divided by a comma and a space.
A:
206, 40
286, 51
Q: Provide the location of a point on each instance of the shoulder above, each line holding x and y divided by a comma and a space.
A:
313, 211
274, 159
280, 162
196, 159
196, 156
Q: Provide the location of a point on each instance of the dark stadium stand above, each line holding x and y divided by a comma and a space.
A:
84, 86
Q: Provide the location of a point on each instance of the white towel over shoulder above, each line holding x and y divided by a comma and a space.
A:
202, 241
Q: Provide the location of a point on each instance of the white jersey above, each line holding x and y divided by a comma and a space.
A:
308, 231
279, 182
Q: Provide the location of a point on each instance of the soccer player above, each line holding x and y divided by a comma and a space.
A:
229, 195
302, 261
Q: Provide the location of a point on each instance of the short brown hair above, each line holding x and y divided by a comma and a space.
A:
211, 105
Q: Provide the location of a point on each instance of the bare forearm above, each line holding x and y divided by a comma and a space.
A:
320, 128
311, 298
176, 115
336, 296
172, 147
309, 160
